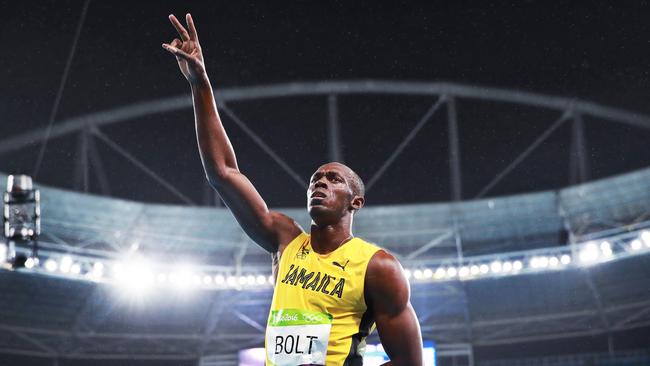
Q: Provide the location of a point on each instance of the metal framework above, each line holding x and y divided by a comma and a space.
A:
86, 321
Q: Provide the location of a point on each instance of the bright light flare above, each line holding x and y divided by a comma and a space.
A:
98, 270
261, 280
589, 254
463, 272
496, 267
452, 272
51, 265
565, 259
135, 276
3, 252
66, 263
606, 249
645, 237
182, 278
418, 274
474, 270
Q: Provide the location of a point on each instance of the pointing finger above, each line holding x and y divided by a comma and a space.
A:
179, 27
191, 27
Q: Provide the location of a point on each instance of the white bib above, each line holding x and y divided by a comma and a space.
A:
297, 337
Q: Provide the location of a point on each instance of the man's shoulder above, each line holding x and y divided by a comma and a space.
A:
366, 245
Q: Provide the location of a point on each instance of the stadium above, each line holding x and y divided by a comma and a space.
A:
521, 217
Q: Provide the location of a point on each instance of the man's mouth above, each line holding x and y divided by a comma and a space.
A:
318, 195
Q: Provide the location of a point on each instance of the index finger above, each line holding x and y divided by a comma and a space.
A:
179, 27
191, 27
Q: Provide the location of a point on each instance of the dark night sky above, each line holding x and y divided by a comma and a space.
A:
590, 50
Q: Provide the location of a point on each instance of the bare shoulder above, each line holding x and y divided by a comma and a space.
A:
285, 228
386, 286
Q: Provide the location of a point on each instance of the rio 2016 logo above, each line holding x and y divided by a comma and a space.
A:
312, 318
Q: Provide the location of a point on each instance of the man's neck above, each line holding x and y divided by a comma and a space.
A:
327, 238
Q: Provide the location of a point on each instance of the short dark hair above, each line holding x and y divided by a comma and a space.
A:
358, 188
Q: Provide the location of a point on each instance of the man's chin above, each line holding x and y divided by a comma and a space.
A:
317, 210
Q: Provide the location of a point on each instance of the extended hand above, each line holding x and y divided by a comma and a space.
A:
187, 50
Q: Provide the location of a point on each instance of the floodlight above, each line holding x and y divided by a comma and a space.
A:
30, 262
181, 278
543, 261
22, 219
463, 272
136, 276
565, 259
219, 279
495, 266
417, 274
250, 280
51, 265
428, 273
553, 262
241, 280
207, 280
97, 270
231, 281
517, 265
636, 244
440, 273
474, 270
484, 268
589, 254
261, 280
4, 252
507, 266
451, 272
75, 268
645, 237
606, 249
66, 263
196, 280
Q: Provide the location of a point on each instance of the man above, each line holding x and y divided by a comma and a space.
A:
331, 287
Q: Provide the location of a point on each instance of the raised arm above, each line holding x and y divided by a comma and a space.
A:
269, 229
387, 295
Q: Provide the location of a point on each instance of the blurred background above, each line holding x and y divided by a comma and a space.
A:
504, 146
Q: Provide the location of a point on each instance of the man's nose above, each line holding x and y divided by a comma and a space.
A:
320, 184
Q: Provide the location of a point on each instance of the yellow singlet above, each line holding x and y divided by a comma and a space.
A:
318, 314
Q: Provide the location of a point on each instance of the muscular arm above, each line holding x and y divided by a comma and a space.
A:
271, 230
387, 295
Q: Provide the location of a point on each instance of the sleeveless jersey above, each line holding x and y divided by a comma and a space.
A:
318, 314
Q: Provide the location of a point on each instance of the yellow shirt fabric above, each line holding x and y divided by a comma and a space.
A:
331, 284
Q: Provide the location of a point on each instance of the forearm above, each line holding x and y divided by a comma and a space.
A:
217, 153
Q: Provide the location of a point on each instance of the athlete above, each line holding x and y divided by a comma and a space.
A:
331, 288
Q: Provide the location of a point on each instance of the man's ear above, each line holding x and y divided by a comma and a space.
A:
357, 203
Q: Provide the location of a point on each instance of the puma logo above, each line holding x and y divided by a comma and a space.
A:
341, 266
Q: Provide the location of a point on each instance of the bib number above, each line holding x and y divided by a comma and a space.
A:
297, 337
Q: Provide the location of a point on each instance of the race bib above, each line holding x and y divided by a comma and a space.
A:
297, 337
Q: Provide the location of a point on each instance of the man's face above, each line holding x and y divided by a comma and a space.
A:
329, 195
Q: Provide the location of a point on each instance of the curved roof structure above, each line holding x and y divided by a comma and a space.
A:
56, 314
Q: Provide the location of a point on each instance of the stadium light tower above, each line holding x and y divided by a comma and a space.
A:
22, 222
